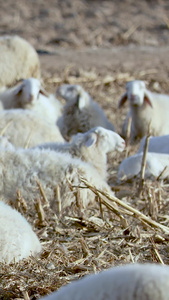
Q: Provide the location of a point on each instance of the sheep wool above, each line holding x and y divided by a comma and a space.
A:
20, 169
24, 128
18, 60
17, 239
129, 282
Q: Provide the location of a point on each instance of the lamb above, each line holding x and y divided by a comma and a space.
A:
81, 112
129, 282
20, 169
157, 144
17, 239
104, 141
146, 108
24, 128
156, 163
18, 60
30, 94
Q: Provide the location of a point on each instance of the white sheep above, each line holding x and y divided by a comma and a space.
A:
146, 108
155, 165
128, 282
157, 144
20, 169
24, 128
18, 60
81, 112
30, 94
103, 141
17, 239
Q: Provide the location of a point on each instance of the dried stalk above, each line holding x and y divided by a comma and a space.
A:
136, 213
5, 128
42, 193
143, 165
40, 211
58, 198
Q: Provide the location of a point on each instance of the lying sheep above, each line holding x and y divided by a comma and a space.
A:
145, 108
30, 94
155, 165
17, 239
81, 112
129, 282
20, 169
158, 144
24, 128
18, 60
102, 141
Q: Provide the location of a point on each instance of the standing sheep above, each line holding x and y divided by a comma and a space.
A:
24, 128
145, 108
81, 112
129, 282
17, 239
30, 94
18, 60
20, 169
102, 141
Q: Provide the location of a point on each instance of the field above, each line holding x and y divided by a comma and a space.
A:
100, 45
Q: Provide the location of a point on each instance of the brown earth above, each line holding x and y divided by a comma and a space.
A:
100, 45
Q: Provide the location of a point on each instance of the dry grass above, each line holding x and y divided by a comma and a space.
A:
131, 227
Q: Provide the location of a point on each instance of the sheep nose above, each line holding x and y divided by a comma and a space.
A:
134, 99
31, 98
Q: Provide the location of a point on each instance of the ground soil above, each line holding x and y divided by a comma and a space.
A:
100, 45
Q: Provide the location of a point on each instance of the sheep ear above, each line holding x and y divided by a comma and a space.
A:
122, 100
81, 102
18, 89
147, 99
91, 140
43, 92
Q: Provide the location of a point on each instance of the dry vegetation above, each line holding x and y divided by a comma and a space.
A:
77, 242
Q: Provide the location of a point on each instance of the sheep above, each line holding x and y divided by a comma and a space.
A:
129, 282
18, 60
30, 94
20, 169
17, 239
157, 144
107, 141
155, 165
146, 108
81, 112
24, 128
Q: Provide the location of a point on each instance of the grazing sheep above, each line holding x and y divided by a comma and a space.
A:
17, 239
20, 169
24, 128
158, 144
30, 94
18, 60
129, 282
102, 141
81, 112
155, 165
145, 108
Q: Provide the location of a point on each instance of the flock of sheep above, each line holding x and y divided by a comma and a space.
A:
40, 139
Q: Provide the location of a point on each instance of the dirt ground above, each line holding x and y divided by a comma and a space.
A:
100, 45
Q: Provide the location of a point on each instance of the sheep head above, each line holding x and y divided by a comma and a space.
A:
30, 89
136, 93
104, 139
74, 93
